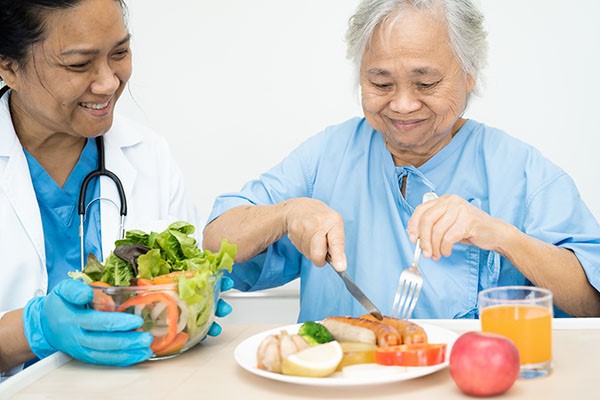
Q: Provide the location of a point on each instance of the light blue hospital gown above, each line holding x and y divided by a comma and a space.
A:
349, 168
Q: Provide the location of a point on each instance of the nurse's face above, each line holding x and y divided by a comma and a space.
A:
413, 88
74, 76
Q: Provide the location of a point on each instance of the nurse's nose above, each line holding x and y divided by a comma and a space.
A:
405, 101
105, 81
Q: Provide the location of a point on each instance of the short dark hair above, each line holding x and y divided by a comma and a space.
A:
22, 24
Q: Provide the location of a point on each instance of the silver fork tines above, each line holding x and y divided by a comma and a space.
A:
410, 281
409, 287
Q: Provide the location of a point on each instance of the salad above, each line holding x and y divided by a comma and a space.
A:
166, 279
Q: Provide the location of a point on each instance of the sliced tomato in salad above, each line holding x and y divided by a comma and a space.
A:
102, 301
159, 343
411, 355
176, 345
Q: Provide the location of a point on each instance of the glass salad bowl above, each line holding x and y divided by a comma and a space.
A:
166, 279
178, 314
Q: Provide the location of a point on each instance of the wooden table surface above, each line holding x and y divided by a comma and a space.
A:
209, 371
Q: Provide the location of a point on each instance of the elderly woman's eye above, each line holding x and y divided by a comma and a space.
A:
427, 85
382, 85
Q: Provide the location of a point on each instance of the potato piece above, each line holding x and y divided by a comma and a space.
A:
357, 353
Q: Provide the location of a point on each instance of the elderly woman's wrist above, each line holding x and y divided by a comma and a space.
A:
287, 208
508, 238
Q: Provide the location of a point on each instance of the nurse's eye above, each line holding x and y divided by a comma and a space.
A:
122, 53
79, 66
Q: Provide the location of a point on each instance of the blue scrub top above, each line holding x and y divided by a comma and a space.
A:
60, 219
348, 167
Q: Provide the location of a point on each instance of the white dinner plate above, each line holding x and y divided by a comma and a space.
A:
362, 374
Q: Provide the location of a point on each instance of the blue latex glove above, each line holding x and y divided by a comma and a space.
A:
61, 321
223, 308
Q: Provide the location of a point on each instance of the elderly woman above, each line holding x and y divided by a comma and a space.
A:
505, 215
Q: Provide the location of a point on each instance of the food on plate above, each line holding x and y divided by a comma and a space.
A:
164, 278
361, 340
411, 355
346, 332
317, 361
349, 329
409, 331
314, 333
356, 353
484, 364
275, 348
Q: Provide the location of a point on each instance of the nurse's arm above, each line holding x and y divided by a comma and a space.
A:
14, 348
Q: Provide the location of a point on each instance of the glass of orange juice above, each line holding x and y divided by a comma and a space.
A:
523, 314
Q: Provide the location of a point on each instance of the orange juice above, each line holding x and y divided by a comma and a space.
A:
528, 326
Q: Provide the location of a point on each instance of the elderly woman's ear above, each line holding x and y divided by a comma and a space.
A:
470, 83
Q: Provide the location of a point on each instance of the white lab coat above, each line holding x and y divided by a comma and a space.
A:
153, 187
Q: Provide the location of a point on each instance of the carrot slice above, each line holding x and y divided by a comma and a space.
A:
99, 283
170, 277
144, 282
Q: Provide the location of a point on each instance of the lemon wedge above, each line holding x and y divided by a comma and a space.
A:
315, 362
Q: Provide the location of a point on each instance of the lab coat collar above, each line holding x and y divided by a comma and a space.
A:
118, 141
15, 180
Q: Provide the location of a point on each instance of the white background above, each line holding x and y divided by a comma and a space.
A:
235, 85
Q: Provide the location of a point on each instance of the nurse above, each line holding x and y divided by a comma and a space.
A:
505, 215
65, 63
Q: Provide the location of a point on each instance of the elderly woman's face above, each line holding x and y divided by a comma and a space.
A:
413, 88
74, 76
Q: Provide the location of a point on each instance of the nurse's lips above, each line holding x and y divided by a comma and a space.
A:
97, 109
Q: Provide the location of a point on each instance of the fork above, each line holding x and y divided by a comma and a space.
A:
409, 287
410, 281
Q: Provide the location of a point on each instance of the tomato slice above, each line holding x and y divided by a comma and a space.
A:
411, 355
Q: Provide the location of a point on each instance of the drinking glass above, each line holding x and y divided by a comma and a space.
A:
524, 315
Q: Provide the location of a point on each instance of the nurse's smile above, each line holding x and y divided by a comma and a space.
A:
98, 109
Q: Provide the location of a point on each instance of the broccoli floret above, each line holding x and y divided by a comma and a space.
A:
315, 333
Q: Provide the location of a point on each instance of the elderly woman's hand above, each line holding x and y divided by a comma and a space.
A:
316, 229
442, 222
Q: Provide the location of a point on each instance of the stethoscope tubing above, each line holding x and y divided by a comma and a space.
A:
81, 207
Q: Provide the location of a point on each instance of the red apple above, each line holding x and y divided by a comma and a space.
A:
484, 364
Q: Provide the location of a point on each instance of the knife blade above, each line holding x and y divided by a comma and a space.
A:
356, 292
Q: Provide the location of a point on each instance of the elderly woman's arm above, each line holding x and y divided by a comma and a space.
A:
441, 223
313, 228
14, 348
552, 267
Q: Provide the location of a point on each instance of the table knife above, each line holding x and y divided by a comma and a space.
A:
356, 292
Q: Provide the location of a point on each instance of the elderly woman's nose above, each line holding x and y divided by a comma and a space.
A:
105, 81
405, 101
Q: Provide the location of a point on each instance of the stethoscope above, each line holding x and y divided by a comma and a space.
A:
82, 208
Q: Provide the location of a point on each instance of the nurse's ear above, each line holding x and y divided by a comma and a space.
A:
8, 71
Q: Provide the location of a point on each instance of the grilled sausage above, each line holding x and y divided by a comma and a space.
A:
345, 327
409, 331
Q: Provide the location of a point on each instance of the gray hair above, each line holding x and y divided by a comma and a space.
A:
465, 29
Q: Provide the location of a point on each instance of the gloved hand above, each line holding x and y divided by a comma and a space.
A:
223, 308
61, 321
